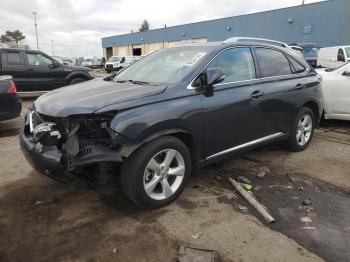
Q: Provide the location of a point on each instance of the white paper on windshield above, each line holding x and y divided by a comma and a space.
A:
195, 59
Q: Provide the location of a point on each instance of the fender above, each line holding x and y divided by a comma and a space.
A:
172, 116
140, 122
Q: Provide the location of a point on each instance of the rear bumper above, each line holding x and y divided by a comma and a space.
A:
13, 107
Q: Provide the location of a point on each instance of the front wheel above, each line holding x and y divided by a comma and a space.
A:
302, 130
156, 173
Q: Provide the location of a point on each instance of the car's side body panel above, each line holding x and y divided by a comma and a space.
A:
336, 93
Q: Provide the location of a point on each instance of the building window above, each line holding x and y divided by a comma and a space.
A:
307, 29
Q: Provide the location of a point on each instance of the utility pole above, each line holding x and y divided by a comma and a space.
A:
303, 2
36, 30
53, 50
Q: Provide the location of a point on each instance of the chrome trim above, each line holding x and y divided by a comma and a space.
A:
30, 121
190, 87
251, 143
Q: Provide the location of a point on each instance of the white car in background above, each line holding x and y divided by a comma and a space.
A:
116, 63
336, 92
332, 57
90, 62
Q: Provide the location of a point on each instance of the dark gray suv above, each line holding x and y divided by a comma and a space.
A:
172, 111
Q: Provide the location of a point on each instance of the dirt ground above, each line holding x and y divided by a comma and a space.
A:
43, 220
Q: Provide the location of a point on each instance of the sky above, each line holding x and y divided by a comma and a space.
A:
76, 27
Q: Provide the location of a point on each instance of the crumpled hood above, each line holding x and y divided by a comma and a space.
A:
88, 97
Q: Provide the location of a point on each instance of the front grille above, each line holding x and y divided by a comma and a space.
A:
109, 66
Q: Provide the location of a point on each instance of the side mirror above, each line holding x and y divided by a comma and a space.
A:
54, 65
346, 72
214, 76
341, 58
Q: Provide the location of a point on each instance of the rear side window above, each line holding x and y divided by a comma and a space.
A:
298, 68
13, 58
272, 62
237, 64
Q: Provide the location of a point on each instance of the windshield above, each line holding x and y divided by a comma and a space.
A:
87, 60
114, 59
310, 51
164, 67
347, 51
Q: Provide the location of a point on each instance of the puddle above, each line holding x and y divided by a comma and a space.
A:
312, 212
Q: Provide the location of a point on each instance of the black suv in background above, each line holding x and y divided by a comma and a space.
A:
36, 71
174, 110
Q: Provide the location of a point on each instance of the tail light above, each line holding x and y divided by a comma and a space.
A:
12, 89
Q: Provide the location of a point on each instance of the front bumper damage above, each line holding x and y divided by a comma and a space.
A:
63, 154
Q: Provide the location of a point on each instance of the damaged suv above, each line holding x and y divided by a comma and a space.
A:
175, 110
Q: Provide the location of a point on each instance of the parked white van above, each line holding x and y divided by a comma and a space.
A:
116, 63
90, 62
333, 57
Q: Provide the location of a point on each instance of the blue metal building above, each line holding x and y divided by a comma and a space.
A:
326, 23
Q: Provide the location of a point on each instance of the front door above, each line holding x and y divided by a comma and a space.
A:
233, 115
44, 73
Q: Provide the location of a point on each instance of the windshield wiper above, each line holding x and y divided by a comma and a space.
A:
134, 82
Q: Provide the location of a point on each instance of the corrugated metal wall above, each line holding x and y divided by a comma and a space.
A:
326, 23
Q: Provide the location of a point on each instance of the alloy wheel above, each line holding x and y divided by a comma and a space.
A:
304, 130
164, 174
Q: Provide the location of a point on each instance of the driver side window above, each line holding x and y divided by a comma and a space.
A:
237, 64
38, 60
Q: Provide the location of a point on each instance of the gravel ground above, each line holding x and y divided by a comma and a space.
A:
43, 220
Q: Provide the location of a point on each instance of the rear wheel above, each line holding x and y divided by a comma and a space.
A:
156, 173
302, 130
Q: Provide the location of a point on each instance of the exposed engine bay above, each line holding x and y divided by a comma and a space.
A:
75, 142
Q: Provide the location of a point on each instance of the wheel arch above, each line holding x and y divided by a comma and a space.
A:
182, 134
73, 75
315, 109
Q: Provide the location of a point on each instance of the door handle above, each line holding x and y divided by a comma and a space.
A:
256, 94
299, 86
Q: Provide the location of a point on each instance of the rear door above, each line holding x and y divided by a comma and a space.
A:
45, 74
233, 113
282, 87
13, 64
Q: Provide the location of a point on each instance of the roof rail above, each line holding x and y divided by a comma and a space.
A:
258, 40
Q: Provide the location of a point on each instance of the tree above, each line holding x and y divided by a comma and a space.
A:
12, 38
144, 26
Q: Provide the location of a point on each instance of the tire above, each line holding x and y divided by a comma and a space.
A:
295, 141
138, 173
76, 81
